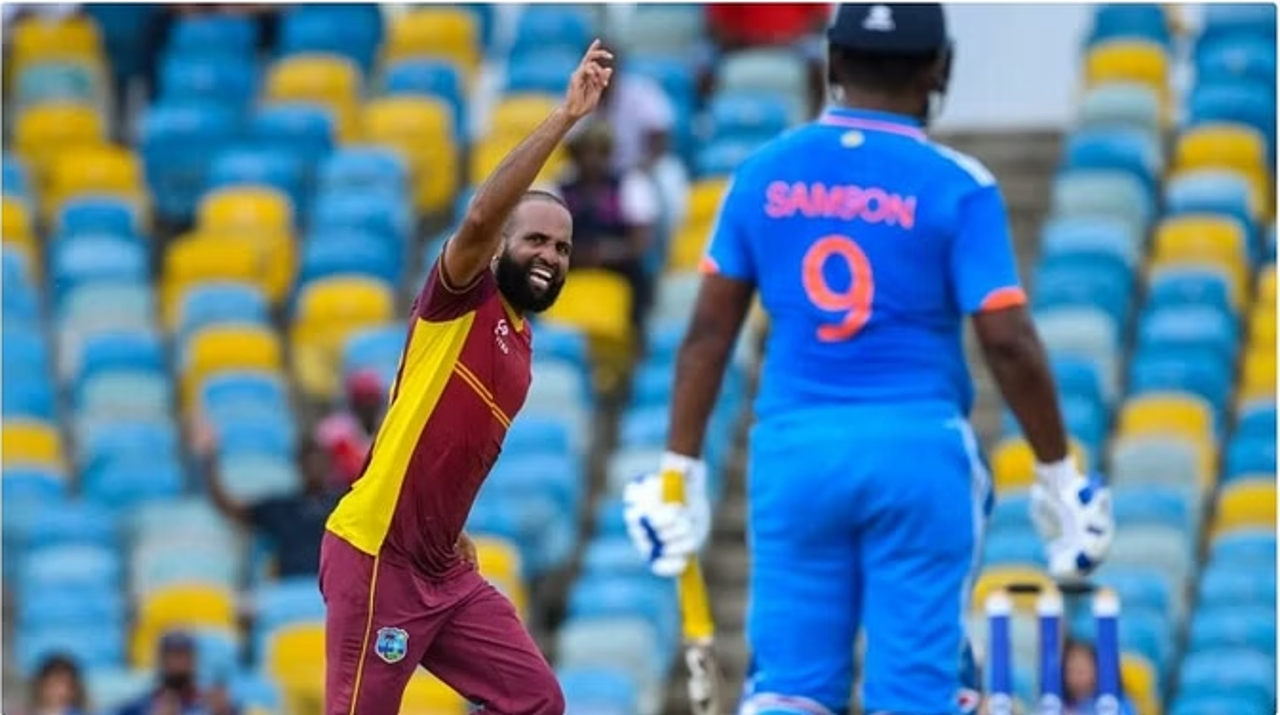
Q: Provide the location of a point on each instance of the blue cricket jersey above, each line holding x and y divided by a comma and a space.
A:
868, 245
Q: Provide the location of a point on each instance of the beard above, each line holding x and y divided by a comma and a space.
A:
513, 281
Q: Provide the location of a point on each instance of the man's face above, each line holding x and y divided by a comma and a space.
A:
535, 256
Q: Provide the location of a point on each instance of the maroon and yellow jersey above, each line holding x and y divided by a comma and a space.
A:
464, 374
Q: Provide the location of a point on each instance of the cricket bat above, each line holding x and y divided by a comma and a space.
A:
696, 624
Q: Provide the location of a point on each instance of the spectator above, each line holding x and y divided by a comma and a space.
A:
614, 214
799, 26
1080, 680
58, 688
347, 433
640, 115
294, 524
177, 691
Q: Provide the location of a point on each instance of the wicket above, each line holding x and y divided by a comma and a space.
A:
1049, 616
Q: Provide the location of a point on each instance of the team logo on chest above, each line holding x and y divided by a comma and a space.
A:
391, 644
500, 332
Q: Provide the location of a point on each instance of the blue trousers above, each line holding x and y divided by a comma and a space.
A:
862, 519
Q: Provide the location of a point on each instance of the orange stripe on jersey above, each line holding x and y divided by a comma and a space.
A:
1002, 298
465, 374
363, 517
708, 266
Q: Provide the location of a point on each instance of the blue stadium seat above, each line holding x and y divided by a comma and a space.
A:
1239, 20
1140, 589
495, 516
1185, 286
357, 168
117, 393
1242, 674
178, 143
1170, 328
1244, 549
217, 652
251, 478
627, 643
214, 33
1251, 456
552, 26
275, 167
1197, 371
1260, 422
21, 306
93, 258
28, 396
1149, 505
379, 212
85, 607
1234, 626
115, 440
1114, 194
129, 481
199, 76
597, 690
1216, 703
212, 303
1089, 235
1212, 191
116, 306
1132, 151
121, 351
1136, 21
376, 348
70, 567
28, 484
351, 30
721, 158
540, 70
1084, 281
97, 215
651, 387
614, 557
74, 522
558, 342
162, 562
1007, 548
1077, 377
263, 433
1228, 59
304, 129
254, 690
348, 252
104, 649
1226, 584
644, 427
748, 116
431, 77
1148, 633
1249, 103
649, 598
14, 177
283, 602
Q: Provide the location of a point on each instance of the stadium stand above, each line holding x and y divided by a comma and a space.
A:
245, 249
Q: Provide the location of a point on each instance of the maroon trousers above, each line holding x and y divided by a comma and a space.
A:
383, 621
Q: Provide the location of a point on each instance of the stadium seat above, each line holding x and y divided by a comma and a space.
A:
661, 30
185, 607
325, 79
178, 143
351, 30
427, 695
1251, 628
274, 167
421, 130
294, 659
1105, 193
305, 130
218, 34
1245, 505
31, 443
450, 33
100, 170
219, 348
1225, 584
1221, 145
1141, 683
1128, 60
98, 215
1013, 464
1235, 58
197, 77
432, 78
1136, 21
765, 70
364, 167
65, 38
1245, 676
328, 310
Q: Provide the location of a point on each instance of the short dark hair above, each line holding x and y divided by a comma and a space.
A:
533, 195
60, 663
877, 72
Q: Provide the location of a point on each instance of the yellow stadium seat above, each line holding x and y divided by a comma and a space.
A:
1202, 238
1262, 329
1128, 61
198, 258
1259, 379
517, 115
235, 347
426, 695
73, 37
16, 224
101, 169
1166, 414
1013, 463
1246, 505
489, 153
704, 200
328, 312
437, 31
1139, 678
999, 578
421, 130
329, 80
689, 247
295, 660
1266, 297
264, 214
499, 558
195, 606
1220, 145
598, 303
30, 442
46, 130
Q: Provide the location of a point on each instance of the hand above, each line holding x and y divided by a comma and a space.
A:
588, 82
467, 549
204, 439
1072, 514
668, 534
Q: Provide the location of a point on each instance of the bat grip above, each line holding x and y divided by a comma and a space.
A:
695, 607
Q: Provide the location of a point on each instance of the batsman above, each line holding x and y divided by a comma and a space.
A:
869, 245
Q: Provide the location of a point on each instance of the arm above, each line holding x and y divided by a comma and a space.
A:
986, 281
205, 447
471, 249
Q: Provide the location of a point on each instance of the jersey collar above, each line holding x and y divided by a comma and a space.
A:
872, 121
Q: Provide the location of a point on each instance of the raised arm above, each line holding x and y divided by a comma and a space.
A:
205, 447
471, 249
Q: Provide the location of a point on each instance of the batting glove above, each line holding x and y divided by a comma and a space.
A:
1072, 514
668, 533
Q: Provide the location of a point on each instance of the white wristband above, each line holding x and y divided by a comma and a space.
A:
1057, 474
672, 462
